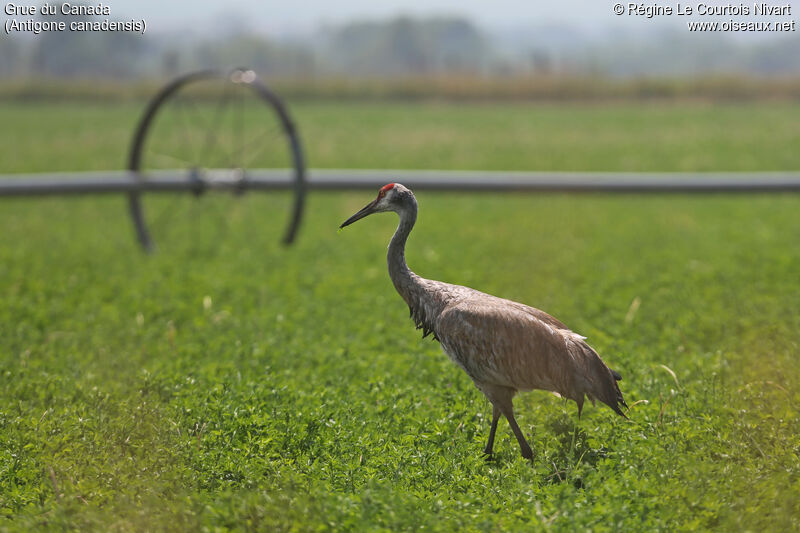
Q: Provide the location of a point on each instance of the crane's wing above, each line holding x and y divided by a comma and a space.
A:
521, 347
538, 314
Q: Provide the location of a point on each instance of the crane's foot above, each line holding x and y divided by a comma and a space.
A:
526, 452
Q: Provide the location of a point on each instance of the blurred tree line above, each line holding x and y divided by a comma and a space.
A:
405, 46
402, 46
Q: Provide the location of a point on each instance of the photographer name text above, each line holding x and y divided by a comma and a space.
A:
767, 14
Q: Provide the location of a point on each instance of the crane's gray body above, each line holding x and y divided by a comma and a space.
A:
504, 346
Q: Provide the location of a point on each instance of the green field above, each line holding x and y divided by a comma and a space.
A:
620, 137
228, 383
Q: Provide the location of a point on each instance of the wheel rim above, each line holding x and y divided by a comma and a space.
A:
241, 149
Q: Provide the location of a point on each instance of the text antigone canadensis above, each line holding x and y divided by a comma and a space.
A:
504, 346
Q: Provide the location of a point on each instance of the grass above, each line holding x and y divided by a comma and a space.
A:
454, 88
228, 383
620, 137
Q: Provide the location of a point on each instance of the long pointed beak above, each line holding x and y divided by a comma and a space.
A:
367, 210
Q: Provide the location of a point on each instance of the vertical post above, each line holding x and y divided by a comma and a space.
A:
142, 235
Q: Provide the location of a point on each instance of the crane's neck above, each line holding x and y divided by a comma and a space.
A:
424, 302
401, 275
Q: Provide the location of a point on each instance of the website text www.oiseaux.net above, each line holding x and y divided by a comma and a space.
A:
761, 10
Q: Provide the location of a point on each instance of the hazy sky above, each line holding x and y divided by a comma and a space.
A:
303, 16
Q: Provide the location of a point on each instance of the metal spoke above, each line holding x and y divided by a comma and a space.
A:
211, 133
230, 158
259, 144
238, 130
188, 126
206, 124
249, 156
182, 163
166, 214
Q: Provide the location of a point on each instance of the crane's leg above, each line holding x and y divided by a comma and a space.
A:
501, 398
495, 417
524, 447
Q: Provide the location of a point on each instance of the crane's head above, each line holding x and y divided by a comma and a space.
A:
391, 197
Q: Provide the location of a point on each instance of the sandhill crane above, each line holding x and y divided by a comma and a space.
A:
504, 346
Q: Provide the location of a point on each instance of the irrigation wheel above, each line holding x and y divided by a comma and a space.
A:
213, 123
